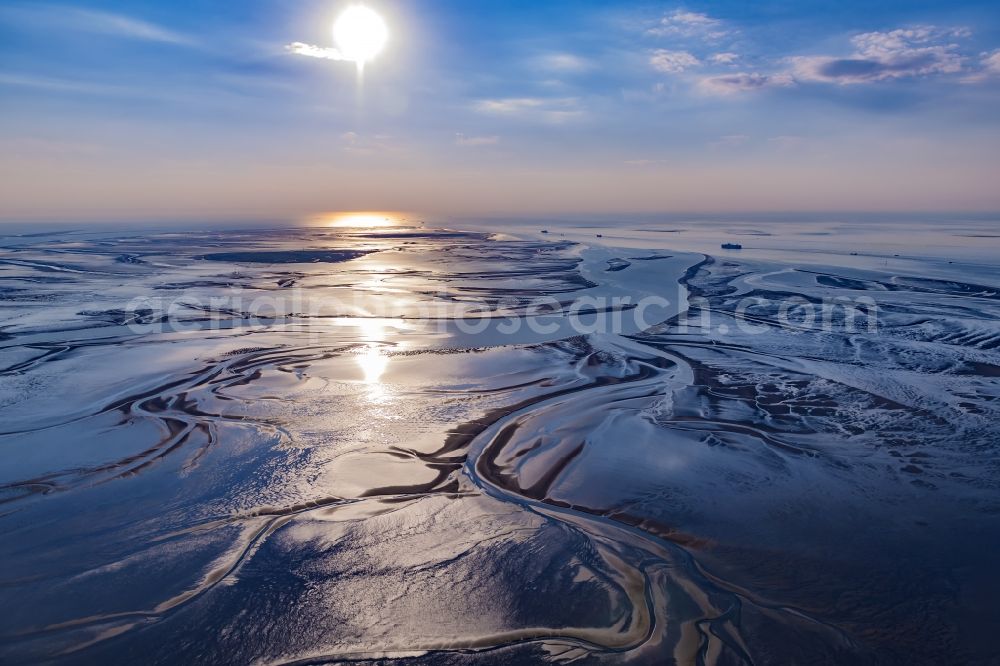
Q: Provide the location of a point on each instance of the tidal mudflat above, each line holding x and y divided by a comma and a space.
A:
459, 447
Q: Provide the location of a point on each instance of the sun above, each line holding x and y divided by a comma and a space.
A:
359, 219
360, 34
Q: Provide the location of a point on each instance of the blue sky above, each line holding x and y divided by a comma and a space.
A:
187, 109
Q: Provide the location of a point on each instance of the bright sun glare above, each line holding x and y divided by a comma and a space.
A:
366, 219
360, 34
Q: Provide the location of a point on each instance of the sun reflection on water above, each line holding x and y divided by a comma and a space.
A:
373, 364
377, 336
360, 219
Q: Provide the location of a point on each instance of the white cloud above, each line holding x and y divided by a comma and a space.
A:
129, 27
991, 61
509, 104
697, 34
880, 56
729, 84
61, 17
876, 56
310, 51
358, 144
989, 67
564, 62
60, 85
672, 62
891, 44
548, 109
689, 24
473, 141
724, 58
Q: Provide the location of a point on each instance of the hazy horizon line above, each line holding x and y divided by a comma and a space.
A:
297, 220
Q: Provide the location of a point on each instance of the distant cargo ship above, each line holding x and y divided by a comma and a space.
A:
732, 246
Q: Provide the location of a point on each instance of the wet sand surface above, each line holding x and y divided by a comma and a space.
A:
311, 446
